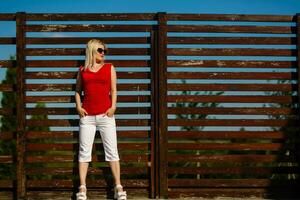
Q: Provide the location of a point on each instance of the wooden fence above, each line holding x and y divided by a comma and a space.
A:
221, 119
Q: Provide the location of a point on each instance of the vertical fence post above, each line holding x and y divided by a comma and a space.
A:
20, 89
161, 72
298, 68
154, 114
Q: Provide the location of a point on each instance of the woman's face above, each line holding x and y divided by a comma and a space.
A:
99, 56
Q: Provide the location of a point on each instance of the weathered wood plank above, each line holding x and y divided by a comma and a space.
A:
230, 17
231, 99
239, 183
227, 52
84, 40
233, 40
81, 51
234, 170
90, 28
6, 159
30, 147
70, 158
229, 146
91, 170
227, 134
137, 183
7, 16
232, 29
233, 193
4, 87
7, 40
77, 63
232, 63
233, 75
234, 111
71, 134
74, 122
90, 16
232, 87
71, 87
65, 99
72, 75
249, 158
69, 111
232, 122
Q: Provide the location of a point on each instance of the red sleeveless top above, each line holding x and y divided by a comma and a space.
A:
96, 87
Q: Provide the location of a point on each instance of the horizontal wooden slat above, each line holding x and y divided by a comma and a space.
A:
92, 170
233, 40
228, 183
84, 40
232, 29
231, 87
81, 51
6, 111
94, 192
230, 17
7, 16
6, 159
234, 193
64, 99
71, 134
229, 52
233, 75
7, 40
72, 75
90, 16
6, 87
227, 134
71, 87
72, 147
232, 99
7, 63
100, 183
68, 111
77, 63
231, 122
64, 159
249, 158
74, 122
89, 28
233, 111
229, 146
231, 63
6, 184
6, 135
233, 170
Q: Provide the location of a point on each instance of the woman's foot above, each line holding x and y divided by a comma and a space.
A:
119, 193
81, 195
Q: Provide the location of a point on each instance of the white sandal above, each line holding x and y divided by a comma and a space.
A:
81, 195
120, 195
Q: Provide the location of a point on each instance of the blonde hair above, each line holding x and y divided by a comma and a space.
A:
91, 46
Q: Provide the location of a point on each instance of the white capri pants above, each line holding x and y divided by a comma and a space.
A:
87, 130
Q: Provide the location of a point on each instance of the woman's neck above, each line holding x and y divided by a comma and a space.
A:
98, 62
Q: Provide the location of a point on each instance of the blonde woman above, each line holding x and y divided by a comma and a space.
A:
97, 80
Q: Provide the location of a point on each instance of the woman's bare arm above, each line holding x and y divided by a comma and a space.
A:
113, 91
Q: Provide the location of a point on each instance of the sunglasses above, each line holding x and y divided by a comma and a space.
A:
100, 50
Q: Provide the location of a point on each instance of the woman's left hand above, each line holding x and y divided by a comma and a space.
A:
110, 112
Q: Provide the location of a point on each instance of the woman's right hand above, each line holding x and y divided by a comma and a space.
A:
82, 112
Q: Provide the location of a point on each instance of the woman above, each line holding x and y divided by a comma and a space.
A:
97, 80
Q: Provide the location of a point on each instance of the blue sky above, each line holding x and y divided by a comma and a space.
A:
172, 6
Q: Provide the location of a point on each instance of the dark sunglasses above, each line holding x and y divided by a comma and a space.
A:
100, 50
